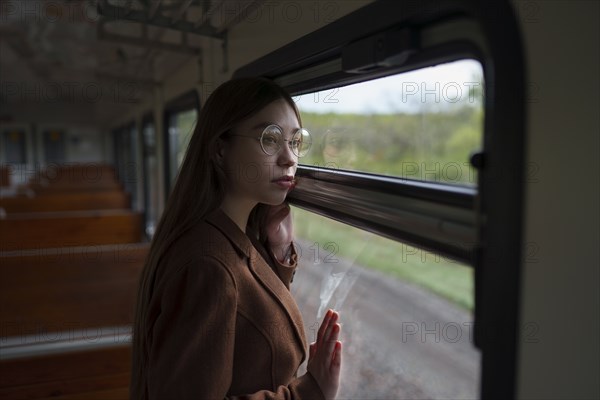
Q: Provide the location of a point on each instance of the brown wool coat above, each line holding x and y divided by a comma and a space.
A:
223, 321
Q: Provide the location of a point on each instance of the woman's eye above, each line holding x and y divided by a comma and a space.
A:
270, 140
295, 143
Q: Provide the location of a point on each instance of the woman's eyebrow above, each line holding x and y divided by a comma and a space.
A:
263, 125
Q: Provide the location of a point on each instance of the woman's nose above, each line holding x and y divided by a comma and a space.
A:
286, 156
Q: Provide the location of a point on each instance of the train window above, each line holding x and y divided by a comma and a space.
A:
420, 125
54, 146
151, 189
13, 146
180, 119
406, 313
181, 127
126, 159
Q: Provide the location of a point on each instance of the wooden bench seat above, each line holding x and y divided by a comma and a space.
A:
71, 201
102, 373
65, 318
68, 284
67, 229
5, 175
55, 174
63, 178
54, 290
40, 189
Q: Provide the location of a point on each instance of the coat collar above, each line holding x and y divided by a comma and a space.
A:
261, 270
238, 239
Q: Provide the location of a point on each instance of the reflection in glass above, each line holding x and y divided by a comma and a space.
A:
339, 148
181, 128
150, 178
126, 159
13, 147
420, 125
406, 313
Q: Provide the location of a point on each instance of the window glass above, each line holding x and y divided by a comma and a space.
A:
126, 159
406, 313
13, 146
150, 177
419, 125
54, 147
181, 127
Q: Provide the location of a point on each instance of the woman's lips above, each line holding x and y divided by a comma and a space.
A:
286, 182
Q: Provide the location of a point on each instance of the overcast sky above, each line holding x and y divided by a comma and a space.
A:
434, 88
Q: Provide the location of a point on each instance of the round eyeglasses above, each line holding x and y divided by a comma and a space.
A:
271, 141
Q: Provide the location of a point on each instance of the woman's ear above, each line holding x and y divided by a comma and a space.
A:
221, 151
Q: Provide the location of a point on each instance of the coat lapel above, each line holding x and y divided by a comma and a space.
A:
263, 273
271, 282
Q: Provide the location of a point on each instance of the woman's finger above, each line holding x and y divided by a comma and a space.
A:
278, 225
324, 326
335, 331
277, 214
336, 361
330, 326
332, 339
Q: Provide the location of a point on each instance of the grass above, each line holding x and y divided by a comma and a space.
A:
446, 278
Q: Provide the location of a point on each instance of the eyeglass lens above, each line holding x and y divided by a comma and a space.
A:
272, 139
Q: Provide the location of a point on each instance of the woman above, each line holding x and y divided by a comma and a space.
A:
214, 315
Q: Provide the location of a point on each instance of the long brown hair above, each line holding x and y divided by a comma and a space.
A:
199, 189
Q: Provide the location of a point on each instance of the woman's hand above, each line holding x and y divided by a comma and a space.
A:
279, 230
325, 359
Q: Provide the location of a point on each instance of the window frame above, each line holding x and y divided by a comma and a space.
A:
121, 165
46, 145
186, 102
309, 65
147, 119
23, 150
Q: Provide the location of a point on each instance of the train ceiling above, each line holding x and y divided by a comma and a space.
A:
70, 50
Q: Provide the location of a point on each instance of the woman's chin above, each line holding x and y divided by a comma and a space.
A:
274, 200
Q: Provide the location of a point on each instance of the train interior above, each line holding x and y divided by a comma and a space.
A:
448, 207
